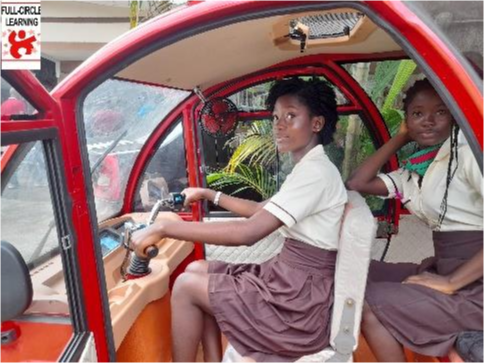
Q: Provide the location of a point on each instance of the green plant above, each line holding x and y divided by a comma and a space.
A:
252, 164
358, 142
245, 177
393, 117
257, 148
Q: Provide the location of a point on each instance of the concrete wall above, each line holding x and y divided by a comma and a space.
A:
73, 30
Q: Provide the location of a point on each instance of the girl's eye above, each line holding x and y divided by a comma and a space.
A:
416, 113
442, 112
275, 118
290, 116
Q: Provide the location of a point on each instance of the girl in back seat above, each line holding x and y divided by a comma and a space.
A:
424, 307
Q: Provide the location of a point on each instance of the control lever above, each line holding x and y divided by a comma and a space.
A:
139, 265
174, 201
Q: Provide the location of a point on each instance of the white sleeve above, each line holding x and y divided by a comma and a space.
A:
471, 168
302, 194
393, 182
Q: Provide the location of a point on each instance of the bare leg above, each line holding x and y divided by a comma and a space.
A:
211, 339
385, 347
192, 319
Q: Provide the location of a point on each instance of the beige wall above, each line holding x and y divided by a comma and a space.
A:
84, 8
73, 30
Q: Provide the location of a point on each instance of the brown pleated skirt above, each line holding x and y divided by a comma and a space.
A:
421, 319
279, 310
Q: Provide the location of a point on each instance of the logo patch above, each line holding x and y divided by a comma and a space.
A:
20, 35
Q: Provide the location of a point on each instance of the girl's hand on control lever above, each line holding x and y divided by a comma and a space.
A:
146, 237
193, 195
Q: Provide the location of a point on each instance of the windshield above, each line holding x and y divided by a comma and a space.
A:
118, 118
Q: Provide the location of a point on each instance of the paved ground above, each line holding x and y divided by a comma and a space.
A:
413, 243
26, 216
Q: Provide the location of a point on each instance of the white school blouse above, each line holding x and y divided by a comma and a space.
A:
311, 201
464, 199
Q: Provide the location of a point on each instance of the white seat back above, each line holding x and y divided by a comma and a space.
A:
354, 255
356, 236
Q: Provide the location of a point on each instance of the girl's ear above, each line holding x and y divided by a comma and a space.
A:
318, 123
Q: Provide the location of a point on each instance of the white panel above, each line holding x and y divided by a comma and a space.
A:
257, 253
89, 353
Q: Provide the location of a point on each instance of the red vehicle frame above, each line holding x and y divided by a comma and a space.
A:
58, 113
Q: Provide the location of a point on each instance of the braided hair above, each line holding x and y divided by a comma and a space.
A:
424, 85
454, 155
317, 95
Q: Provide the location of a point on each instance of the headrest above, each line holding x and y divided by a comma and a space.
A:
16, 287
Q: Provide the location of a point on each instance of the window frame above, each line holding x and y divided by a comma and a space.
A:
359, 103
49, 136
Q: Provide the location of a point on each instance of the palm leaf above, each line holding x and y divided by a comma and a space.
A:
258, 147
405, 70
393, 119
384, 74
256, 178
254, 149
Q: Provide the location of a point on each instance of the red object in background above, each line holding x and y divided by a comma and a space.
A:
107, 185
13, 106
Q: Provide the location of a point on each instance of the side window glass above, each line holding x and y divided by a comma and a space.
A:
40, 266
166, 171
119, 116
29, 224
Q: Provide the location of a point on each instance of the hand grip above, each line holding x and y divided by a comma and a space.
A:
151, 252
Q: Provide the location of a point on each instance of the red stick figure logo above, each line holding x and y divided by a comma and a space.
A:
20, 43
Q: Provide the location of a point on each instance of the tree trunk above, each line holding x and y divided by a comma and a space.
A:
353, 132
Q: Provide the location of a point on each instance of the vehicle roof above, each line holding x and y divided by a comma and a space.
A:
212, 42
234, 50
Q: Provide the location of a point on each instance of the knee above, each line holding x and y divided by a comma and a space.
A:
186, 286
190, 289
199, 266
182, 284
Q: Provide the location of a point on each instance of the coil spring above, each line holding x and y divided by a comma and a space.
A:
138, 266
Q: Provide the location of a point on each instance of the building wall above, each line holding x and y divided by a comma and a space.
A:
73, 30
